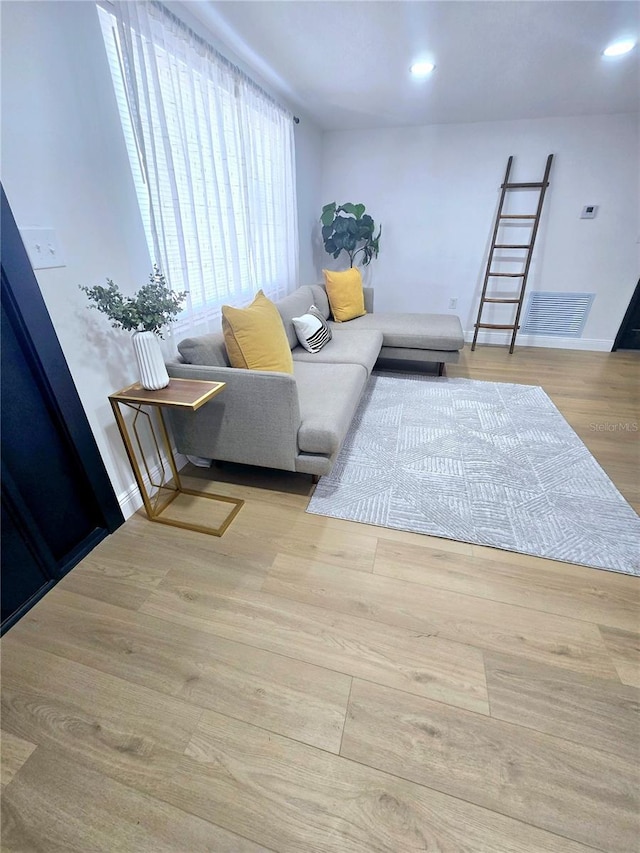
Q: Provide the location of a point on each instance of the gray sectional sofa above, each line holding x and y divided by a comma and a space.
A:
298, 422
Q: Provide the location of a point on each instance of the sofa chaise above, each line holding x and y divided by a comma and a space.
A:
298, 422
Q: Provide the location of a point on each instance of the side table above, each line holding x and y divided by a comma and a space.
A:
181, 393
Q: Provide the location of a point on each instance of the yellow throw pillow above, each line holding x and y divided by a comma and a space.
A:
345, 293
255, 337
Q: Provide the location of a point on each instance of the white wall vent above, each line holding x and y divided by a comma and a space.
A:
563, 314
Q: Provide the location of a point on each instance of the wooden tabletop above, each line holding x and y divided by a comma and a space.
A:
181, 393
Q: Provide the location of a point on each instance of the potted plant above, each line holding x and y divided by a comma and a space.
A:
146, 314
348, 228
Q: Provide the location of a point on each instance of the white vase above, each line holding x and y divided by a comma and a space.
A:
153, 373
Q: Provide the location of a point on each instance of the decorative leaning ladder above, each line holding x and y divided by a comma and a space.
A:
518, 298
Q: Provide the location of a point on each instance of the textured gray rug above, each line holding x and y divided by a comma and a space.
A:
481, 462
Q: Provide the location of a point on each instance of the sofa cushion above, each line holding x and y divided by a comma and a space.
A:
348, 346
312, 330
321, 300
328, 395
344, 289
255, 337
416, 331
205, 350
294, 305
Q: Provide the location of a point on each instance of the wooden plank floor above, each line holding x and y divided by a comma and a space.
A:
307, 684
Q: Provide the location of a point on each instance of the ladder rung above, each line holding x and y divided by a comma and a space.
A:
506, 274
493, 299
494, 326
517, 216
528, 185
512, 246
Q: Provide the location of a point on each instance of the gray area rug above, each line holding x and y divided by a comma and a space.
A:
482, 462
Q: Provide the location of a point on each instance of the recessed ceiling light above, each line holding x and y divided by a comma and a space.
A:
421, 69
619, 48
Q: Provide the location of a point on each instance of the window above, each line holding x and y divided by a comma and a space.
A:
212, 159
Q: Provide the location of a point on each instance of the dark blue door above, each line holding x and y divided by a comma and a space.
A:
57, 501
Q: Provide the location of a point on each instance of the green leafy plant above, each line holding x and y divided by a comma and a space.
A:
347, 228
152, 308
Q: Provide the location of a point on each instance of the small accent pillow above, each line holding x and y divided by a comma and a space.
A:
255, 337
345, 293
312, 330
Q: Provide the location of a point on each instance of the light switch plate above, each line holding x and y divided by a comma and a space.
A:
42, 247
589, 211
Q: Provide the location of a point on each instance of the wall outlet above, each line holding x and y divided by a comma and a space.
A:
42, 247
453, 303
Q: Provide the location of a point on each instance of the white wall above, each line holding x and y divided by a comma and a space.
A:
435, 190
64, 166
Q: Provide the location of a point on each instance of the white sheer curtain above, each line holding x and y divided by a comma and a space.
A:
213, 161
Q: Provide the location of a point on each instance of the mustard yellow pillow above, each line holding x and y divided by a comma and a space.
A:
255, 336
345, 293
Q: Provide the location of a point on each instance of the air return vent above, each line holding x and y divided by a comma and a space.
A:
557, 313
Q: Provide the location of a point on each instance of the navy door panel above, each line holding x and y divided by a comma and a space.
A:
27, 568
42, 463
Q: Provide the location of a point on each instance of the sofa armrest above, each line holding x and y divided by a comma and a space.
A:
368, 299
255, 420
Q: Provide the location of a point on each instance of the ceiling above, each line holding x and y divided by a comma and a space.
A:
345, 63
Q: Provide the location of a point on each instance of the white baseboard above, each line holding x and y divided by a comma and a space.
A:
548, 341
130, 499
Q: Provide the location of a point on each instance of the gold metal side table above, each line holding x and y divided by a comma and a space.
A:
180, 393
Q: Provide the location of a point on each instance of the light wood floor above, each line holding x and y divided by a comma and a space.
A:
306, 684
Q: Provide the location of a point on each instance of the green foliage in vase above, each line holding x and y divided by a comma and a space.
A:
348, 228
152, 308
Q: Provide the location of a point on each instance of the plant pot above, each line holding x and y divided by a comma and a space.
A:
151, 368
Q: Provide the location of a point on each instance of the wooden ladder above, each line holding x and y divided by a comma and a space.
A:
518, 298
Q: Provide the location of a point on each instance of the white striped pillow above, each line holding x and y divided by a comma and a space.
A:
312, 330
